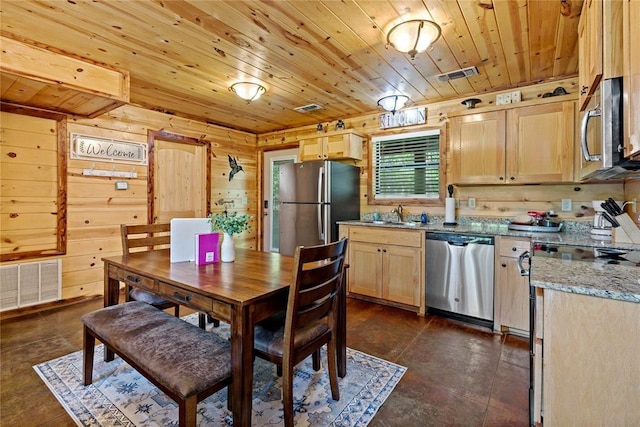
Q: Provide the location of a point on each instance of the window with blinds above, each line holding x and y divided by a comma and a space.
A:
407, 165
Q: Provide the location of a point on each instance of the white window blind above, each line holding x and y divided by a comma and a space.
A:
407, 165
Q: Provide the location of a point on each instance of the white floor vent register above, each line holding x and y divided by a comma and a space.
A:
30, 283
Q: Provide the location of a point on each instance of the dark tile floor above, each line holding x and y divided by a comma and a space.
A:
458, 375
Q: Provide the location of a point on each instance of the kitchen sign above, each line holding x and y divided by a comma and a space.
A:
414, 116
85, 147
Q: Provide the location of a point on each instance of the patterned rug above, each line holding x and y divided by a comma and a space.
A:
119, 396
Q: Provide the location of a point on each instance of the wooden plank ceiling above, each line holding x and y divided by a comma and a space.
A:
184, 55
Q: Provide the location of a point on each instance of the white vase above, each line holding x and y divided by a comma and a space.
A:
228, 250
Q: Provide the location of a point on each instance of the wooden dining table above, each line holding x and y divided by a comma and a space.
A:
244, 292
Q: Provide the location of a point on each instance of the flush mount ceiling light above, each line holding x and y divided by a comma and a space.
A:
413, 36
247, 90
393, 103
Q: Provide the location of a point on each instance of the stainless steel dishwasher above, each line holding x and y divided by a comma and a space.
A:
459, 272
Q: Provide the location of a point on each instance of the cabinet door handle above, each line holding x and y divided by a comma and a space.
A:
379, 250
514, 249
501, 178
384, 250
513, 178
504, 265
524, 255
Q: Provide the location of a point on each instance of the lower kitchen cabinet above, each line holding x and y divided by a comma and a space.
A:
511, 304
586, 360
386, 265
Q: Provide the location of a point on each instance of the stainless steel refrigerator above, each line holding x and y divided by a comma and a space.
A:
313, 197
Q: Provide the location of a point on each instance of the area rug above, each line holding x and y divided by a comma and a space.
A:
120, 396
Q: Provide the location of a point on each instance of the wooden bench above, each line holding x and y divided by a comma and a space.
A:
184, 361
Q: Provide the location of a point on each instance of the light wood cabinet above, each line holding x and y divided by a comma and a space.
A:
478, 148
524, 145
585, 357
589, 49
336, 145
631, 80
511, 304
387, 265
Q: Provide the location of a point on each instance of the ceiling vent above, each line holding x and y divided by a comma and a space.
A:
457, 74
307, 108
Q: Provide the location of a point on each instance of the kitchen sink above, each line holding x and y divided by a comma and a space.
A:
381, 222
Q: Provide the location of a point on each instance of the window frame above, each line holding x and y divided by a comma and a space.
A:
61, 208
371, 197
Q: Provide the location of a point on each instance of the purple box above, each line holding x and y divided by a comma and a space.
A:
207, 248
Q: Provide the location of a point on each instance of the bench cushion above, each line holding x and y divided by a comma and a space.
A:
179, 355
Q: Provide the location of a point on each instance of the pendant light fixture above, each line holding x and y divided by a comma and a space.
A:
247, 90
413, 36
393, 103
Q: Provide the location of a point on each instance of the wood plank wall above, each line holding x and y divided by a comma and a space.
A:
496, 201
96, 209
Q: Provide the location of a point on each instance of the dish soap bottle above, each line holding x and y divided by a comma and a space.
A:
423, 218
376, 216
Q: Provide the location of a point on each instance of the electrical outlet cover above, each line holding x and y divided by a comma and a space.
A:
516, 96
472, 202
566, 205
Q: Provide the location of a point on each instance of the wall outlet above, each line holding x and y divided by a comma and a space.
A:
500, 99
244, 200
566, 205
472, 202
516, 96
457, 203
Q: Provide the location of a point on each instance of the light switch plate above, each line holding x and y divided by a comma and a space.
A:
566, 205
122, 185
472, 202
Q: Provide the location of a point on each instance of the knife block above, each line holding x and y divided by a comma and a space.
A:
628, 232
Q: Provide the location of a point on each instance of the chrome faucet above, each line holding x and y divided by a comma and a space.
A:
398, 211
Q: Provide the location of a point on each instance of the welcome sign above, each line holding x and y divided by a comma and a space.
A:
85, 147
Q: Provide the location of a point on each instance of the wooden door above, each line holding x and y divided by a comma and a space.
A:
365, 271
311, 149
478, 148
590, 49
631, 84
402, 267
179, 178
540, 143
512, 295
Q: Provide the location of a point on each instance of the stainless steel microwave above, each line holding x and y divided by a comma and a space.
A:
602, 137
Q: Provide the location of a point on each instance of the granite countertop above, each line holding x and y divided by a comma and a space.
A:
587, 278
575, 235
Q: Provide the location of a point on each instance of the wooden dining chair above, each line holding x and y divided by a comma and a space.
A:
152, 236
310, 320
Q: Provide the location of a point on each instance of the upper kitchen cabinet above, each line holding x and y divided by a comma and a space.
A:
36, 77
631, 77
524, 145
478, 148
331, 146
589, 49
599, 45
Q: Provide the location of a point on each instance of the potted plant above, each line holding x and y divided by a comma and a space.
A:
230, 224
